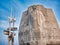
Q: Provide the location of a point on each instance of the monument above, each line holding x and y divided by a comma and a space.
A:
39, 26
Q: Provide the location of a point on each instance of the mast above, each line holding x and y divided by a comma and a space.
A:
11, 29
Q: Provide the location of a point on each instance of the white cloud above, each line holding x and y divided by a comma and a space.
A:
3, 24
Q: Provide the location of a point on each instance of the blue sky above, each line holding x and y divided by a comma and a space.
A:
18, 6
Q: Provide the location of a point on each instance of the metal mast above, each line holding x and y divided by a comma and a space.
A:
11, 29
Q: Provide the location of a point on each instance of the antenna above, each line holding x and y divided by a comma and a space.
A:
11, 12
11, 28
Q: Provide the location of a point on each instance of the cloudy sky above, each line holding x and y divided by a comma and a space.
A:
19, 6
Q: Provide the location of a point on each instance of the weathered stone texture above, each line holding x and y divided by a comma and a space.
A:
38, 27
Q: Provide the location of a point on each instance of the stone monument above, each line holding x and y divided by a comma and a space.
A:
38, 26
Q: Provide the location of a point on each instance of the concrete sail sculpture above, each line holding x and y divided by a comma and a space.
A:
39, 27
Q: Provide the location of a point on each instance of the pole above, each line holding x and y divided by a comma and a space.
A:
12, 39
8, 41
11, 28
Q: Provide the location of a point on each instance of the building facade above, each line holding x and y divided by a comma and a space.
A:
38, 26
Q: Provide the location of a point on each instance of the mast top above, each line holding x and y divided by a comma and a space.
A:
11, 19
